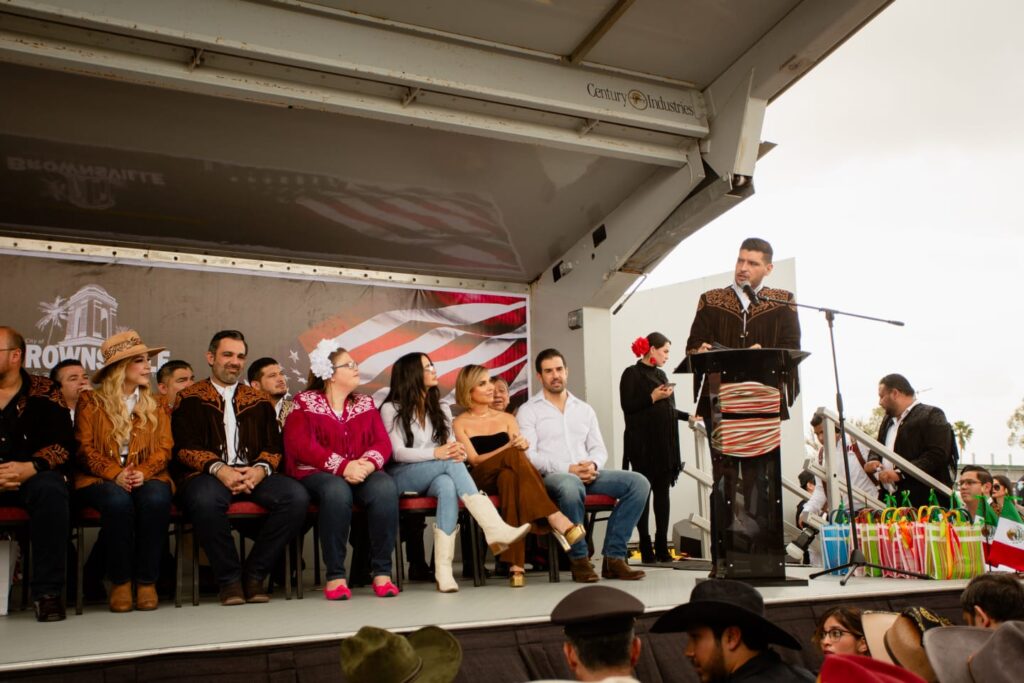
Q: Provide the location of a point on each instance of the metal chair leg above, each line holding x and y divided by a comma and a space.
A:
80, 568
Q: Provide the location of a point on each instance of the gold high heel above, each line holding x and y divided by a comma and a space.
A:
572, 535
516, 579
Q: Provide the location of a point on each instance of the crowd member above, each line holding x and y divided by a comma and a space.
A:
839, 631
171, 378
862, 481
727, 318
35, 438
600, 637
566, 447
651, 438
124, 447
919, 433
992, 599
1001, 486
228, 443
374, 655
962, 654
501, 395
267, 375
974, 481
429, 461
71, 378
336, 446
729, 637
496, 449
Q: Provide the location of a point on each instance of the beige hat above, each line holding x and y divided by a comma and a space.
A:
122, 345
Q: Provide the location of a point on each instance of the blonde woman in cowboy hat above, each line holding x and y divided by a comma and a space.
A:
124, 445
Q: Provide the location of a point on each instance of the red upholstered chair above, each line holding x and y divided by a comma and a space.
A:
16, 519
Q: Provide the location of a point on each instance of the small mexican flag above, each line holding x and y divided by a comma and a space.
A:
987, 519
1008, 542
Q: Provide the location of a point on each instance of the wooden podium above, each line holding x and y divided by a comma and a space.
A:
743, 395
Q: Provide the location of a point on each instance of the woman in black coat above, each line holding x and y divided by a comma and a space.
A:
651, 441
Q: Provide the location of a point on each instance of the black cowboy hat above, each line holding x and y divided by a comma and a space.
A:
723, 602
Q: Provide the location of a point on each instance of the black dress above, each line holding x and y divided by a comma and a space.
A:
651, 446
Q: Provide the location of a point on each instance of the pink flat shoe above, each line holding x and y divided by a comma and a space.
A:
385, 590
341, 592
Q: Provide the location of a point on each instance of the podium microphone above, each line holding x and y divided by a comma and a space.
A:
751, 294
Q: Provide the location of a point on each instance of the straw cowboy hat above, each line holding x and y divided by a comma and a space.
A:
964, 654
374, 655
122, 345
728, 603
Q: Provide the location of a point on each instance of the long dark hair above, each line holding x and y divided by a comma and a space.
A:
408, 393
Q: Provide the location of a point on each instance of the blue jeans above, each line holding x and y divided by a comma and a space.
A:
335, 497
443, 479
133, 525
630, 488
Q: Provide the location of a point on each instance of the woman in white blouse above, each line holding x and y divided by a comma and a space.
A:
428, 460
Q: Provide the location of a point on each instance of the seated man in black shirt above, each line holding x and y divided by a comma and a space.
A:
35, 438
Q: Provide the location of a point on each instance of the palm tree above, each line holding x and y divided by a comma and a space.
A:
53, 315
963, 432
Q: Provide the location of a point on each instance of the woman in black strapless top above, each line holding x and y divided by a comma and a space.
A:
496, 452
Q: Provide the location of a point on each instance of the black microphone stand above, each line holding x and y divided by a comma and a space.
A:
856, 559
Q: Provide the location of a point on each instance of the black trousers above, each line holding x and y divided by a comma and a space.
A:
206, 500
45, 496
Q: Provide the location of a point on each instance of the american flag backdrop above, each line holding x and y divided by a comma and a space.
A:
454, 328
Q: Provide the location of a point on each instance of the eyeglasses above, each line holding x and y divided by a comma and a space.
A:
351, 365
967, 482
838, 633
997, 487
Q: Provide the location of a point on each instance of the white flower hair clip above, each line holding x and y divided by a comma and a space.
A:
319, 359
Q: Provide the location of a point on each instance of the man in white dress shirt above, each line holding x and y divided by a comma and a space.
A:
567, 448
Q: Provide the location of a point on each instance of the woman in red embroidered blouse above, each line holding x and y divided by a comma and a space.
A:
335, 444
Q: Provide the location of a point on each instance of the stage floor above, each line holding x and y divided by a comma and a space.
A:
99, 636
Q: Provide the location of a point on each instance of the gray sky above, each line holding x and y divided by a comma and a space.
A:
894, 186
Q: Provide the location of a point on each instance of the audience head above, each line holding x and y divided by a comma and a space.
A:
501, 394
807, 482
974, 480
840, 632
374, 655
1000, 486
331, 366
474, 385
991, 599
414, 393
226, 356
72, 378
895, 394
754, 262
126, 369
172, 377
726, 626
599, 625
12, 351
552, 371
818, 427
962, 654
267, 375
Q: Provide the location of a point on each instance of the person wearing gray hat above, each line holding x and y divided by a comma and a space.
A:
729, 637
375, 655
600, 642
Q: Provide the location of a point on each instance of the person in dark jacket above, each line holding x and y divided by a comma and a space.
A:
729, 637
651, 441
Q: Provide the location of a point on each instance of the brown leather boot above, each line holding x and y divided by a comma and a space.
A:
121, 597
582, 571
254, 590
615, 568
145, 597
231, 594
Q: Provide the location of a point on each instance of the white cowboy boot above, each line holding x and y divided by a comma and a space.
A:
444, 551
498, 534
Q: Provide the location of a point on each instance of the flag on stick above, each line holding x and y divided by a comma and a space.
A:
1008, 542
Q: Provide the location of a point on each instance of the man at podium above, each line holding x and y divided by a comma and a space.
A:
744, 387
727, 317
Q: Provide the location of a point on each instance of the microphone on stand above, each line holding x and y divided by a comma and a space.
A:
751, 294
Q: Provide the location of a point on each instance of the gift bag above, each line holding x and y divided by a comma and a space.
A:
836, 539
897, 541
953, 546
972, 551
868, 522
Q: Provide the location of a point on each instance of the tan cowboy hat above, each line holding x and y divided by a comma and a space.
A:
875, 625
122, 345
898, 638
374, 655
